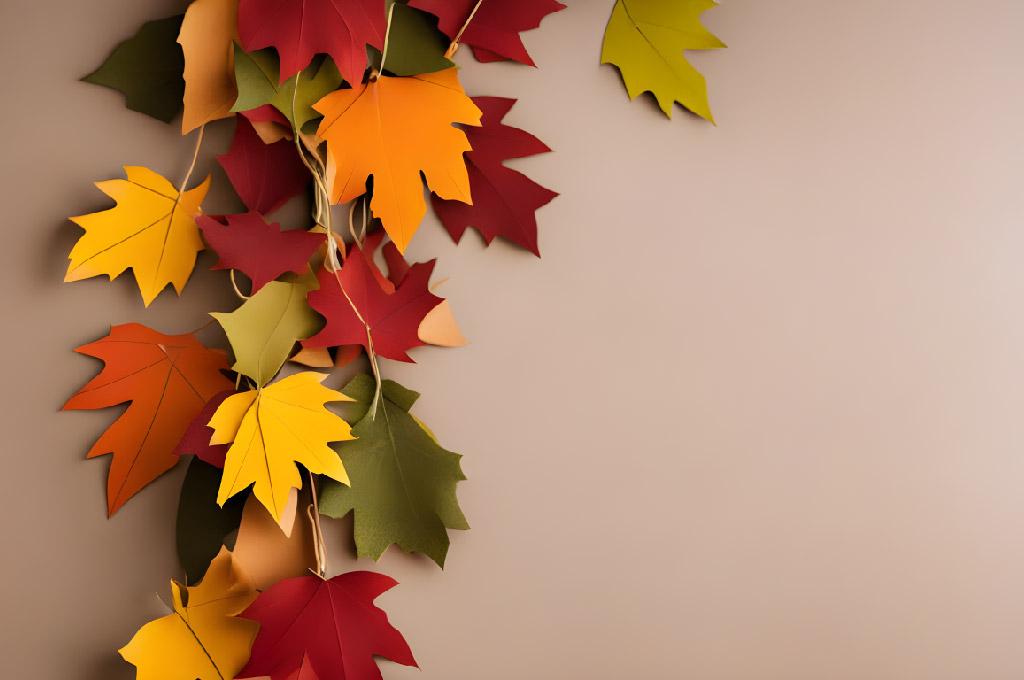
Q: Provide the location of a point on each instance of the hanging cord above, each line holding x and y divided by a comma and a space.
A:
319, 546
332, 247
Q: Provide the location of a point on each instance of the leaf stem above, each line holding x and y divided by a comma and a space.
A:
454, 47
195, 158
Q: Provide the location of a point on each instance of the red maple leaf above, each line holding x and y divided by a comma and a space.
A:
505, 201
493, 32
331, 625
392, 316
166, 380
300, 29
259, 250
196, 440
264, 176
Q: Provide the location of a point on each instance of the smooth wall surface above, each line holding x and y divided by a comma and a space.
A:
756, 414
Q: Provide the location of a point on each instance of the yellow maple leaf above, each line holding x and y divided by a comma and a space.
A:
273, 428
393, 129
646, 39
206, 38
152, 229
201, 638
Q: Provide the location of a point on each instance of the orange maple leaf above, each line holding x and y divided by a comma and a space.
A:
393, 129
167, 379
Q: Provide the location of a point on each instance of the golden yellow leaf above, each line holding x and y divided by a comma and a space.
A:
393, 129
201, 638
152, 229
207, 39
272, 429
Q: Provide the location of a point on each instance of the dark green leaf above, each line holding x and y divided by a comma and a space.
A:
402, 482
203, 525
147, 69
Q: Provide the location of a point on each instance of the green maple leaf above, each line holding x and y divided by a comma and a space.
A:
147, 69
256, 74
264, 330
645, 39
402, 482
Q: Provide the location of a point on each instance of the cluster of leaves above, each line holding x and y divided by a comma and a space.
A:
353, 102
348, 102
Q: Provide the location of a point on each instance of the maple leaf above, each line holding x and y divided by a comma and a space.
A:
402, 488
196, 440
206, 37
147, 69
264, 176
505, 201
273, 428
392, 129
167, 379
264, 330
202, 526
202, 638
330, 625
645, 39
259, 250
298, 29
152, 229
493, 32
257, 76
360, 310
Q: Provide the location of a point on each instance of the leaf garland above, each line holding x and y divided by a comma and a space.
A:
357, 103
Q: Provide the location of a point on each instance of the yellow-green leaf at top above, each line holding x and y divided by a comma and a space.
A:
645, 39
264, 330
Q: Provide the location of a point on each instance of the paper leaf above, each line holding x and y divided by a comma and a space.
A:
264, 330
645, 39
274, 428
393, 129
203, 638
264, 176
166, 380
403, 483
202, 525
147, 68
196, 440
393, 318
505, 201
261, 251
302, 28
257, 77
415, 45
331, 624
206, 37
152, 229
494, 30
440, 328
270, 124
264, 553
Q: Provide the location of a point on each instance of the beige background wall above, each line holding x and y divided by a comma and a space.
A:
755, 415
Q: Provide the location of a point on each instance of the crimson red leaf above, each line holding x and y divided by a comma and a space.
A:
299, 29
196, 440
398, 266
505, 201
259, 250
494, 30
331, 625
394, 318
264, 175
